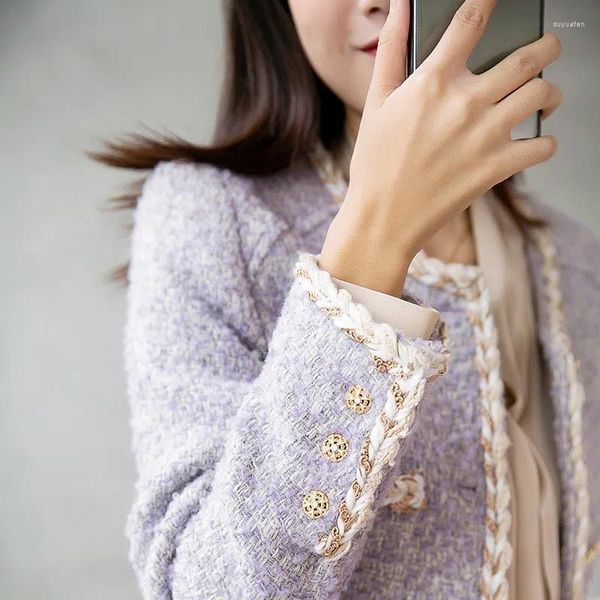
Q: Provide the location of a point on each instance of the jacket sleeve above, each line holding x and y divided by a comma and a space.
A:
409, 317
258, 472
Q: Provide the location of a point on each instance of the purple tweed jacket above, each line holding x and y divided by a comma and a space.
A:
288, 446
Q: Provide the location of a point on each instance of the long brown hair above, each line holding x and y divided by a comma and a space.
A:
273, 106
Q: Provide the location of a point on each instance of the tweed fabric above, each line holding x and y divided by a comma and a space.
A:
239, 354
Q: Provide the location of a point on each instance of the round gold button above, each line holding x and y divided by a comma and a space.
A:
334, 447
315, 504
358, 399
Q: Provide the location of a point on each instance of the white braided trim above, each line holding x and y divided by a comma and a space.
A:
497, 550
575, 400
468, 281
409, 366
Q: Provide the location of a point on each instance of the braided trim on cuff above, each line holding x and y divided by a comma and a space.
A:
410, 363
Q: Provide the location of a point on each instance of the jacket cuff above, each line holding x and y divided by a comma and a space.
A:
407, 362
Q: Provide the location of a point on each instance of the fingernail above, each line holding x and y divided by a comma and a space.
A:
393, 5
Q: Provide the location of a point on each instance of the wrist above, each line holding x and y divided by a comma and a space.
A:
364, 258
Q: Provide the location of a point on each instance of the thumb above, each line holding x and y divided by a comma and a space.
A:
389, 70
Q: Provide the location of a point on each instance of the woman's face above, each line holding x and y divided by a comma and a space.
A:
332, 33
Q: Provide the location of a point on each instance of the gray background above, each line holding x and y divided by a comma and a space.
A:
73, 72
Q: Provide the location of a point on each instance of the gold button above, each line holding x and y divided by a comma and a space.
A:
335, 447
315, 504
358, 399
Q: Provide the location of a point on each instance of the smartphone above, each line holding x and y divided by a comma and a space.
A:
513, 23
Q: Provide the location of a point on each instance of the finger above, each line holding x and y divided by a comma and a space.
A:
547, 111
463, 33
520, 66
389, 70
524, 153
536, 94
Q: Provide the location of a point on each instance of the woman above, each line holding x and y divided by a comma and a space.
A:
319, 367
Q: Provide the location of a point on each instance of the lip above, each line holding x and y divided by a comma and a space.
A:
371, 46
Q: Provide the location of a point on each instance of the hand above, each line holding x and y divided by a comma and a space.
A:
430, 145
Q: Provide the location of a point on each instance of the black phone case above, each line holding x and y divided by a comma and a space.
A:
530, 127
